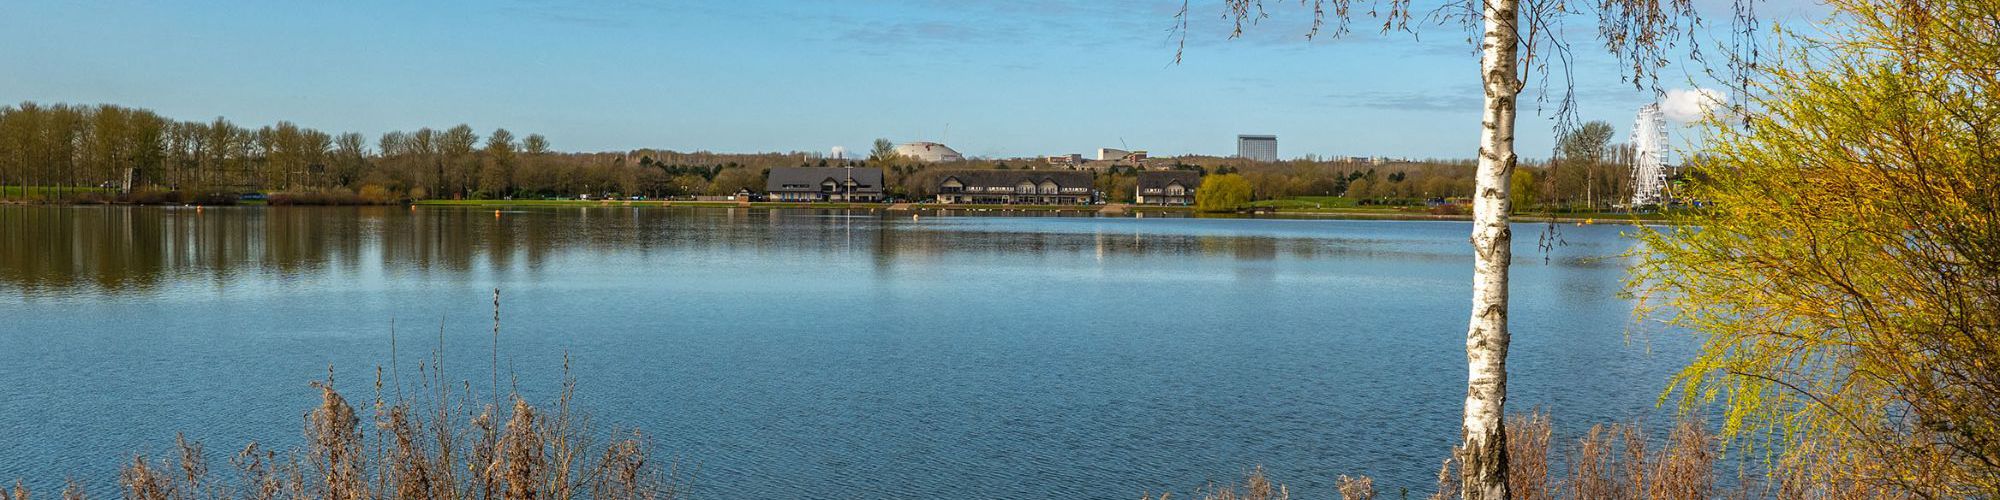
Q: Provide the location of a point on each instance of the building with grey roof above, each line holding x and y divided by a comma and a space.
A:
1167, 187
1008, 187
836, 184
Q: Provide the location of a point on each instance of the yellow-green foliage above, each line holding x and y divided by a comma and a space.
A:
1846, 282
1222, 193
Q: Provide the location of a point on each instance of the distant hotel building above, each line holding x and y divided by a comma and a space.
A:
1005, 187
1257, 147
839, 184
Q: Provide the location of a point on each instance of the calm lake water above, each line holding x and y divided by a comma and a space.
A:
816, 354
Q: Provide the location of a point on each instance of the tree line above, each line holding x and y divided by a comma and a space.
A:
64, 152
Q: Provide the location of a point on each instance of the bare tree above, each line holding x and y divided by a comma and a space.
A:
1514, 34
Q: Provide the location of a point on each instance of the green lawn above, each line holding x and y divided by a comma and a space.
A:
1322, 204
15, 192
1344, 205
531, 203
1312, 202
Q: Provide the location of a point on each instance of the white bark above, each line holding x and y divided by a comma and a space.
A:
1483, 456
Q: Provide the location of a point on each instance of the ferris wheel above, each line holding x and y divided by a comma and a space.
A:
1649, 156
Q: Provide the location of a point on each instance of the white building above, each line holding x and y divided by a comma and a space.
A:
929, 152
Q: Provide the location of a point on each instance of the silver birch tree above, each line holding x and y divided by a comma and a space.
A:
1643, 33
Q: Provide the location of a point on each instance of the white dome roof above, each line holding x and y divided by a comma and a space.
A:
929, 152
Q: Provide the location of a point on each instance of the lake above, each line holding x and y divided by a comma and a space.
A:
821, 354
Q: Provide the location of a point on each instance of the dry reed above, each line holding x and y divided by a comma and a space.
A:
516, 462
1528, 456
410, 453
1613, 461
1360, 488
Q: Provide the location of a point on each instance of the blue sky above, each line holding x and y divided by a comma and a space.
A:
990, 78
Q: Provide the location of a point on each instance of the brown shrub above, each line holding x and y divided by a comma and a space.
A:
1361, 488
1447, 209
377, 195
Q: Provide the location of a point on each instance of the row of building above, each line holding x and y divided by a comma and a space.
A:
1249, 146
994, 187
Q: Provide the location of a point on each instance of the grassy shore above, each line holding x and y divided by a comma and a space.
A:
18, 193
1330, 207
1561, 218
1348, 208
1344, 210
774, 204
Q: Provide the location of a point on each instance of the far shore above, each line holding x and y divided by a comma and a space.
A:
1345, 213
1382, 213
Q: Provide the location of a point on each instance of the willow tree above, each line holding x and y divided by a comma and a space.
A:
1513, 35
1846, 282
883, 155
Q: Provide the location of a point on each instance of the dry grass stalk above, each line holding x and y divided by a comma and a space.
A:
1593, 465
73, 490
1633, 465
193, 466
1446, 488
409, 467
522, 455
1359, 488
566, 444
1685, 469
485, 450
1528, 456
625, 473
1255, 486
335, 447
262, 476
141, 482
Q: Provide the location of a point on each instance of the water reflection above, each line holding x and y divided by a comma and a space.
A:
71, 250
807, 353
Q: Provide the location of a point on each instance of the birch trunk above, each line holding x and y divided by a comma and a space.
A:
1483, 456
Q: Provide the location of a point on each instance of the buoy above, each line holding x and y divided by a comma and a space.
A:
496, 214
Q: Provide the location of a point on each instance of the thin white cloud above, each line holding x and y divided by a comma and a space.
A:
1691, 105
